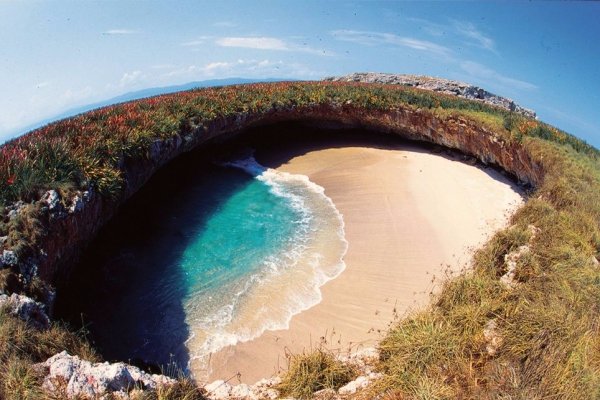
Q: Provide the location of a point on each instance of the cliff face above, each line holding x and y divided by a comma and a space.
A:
445, 86
72, 229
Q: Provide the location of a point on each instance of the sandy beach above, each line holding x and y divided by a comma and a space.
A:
409, 215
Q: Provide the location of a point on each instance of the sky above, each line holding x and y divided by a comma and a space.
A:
57, 55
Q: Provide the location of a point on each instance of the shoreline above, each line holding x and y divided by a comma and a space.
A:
396, 251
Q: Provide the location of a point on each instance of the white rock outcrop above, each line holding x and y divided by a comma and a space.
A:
263, 389
363, 360
73, 377
510, 260
492, 337
441, 85
26, 309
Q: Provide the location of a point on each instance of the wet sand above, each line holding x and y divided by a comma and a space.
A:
410, 216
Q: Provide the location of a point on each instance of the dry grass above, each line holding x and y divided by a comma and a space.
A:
184, 389
19, 381
313, 371
22, 345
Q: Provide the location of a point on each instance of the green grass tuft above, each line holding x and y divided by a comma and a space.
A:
313, 371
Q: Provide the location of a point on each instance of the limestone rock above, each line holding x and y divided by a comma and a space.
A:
73, 377
325, 394
14, 209
263, 389
77, 204
492, 337
359, 383
8, 258
26, 309
534, 231
55, 207
446, 86
219, 390
510, 260
353, 386
243, 391
52, 198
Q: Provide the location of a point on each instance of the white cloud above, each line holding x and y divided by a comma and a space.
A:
131, 78
261, 43
216, 67
120, 32
430, 27
267, 43
463, 30
379, 38
250, 68
492, 77
73, 96
211, 68
468, 30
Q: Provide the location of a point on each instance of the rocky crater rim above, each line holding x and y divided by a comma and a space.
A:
446, 86
72, 223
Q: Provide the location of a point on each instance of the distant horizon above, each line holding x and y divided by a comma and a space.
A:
62, 56
129, 96
157, 91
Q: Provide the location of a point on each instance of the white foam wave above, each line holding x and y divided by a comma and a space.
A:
313, 205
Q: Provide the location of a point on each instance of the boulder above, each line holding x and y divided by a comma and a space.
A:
263, 389
26, 309
218, 390
55, 206
492, 337
354, 386
510, 260
73, 377
8, 258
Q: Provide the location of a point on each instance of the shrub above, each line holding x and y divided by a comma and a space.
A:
313, 371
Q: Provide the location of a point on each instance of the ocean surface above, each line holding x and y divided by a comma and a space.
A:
205, 259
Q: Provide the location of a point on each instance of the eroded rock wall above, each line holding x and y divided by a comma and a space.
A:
73, 226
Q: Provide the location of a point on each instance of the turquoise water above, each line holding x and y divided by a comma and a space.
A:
250, 226
205, 257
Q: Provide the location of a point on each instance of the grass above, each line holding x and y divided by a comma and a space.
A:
22, 345
313, 371
548, 322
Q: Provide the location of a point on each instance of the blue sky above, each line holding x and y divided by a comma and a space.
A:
55, 55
